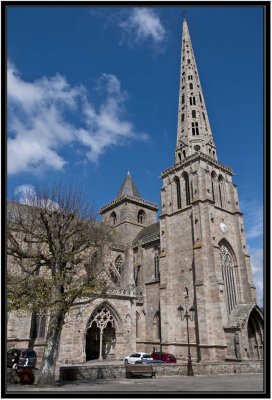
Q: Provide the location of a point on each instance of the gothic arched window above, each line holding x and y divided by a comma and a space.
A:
113, 218
228, 271
187, 188
157, 264
221, 191
116, 269
177, 182
156, 326
141, 216
137, 324
119, 264
213, 177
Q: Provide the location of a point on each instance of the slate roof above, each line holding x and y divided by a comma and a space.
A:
150, 230
128, 188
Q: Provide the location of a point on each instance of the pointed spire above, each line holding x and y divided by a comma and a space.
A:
194, 132
128, 188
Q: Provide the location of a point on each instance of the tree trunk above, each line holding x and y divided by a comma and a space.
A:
47, 371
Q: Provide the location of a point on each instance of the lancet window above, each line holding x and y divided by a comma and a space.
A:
157, 264
229, 277
177, 182
187, 188
156, 326
113, 218
141, 216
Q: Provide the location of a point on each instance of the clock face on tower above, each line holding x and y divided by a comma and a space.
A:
223, 228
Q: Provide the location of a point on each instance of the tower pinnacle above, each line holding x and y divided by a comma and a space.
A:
194, 132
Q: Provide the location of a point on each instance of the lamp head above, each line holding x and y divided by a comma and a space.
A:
181, 312
192, 313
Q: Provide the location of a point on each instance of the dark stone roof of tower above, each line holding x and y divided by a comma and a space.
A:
150, 230
129, 188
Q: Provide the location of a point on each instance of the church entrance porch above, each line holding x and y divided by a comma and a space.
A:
101, 335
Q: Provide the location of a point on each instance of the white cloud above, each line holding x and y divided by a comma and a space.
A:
143, 24
40, 121
26, 194
23, 192
253, 219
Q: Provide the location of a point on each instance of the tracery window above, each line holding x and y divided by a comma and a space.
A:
116, 270
229, 278
177, 182
119, 264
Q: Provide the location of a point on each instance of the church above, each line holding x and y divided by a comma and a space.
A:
193, 260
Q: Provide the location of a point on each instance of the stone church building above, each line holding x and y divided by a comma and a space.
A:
195, 255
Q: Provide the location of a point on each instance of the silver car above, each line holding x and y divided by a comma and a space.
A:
137, 356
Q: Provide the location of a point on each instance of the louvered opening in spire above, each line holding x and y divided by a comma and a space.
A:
128, 188
194, 132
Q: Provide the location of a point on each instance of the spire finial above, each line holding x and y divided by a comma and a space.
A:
128, 172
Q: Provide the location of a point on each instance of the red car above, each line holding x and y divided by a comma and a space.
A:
166, 357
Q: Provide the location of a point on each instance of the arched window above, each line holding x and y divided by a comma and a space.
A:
213, 177
157, 264
119, 264
186, 293
221, 191
113, 218
187, 188
38, 327
156, 326
141, 216
137, 324
116, 270
177, 182
228, 272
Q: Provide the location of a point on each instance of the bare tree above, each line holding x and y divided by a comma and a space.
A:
56, 253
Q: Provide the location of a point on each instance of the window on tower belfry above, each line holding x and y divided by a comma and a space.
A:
192, 101
193, 114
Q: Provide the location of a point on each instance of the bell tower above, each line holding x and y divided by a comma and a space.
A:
204, 259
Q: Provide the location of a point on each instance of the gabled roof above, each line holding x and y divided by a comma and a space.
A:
150, 230
128, 188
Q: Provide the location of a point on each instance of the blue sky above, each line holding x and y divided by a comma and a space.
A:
93, 93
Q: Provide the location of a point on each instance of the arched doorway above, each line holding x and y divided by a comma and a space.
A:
92, 342
100, 335
255, 335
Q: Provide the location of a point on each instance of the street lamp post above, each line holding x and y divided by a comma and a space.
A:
188, 315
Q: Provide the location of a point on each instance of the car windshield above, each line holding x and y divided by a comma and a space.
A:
147, 356
170, 355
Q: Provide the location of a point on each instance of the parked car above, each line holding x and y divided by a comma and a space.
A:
21, 357
148, 361
166, 357
137, 356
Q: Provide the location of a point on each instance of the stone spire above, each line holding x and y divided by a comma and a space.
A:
194, 132
128, 188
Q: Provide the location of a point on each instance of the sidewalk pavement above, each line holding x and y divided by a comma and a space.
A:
247, 383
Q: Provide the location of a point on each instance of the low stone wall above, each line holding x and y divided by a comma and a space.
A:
90, 373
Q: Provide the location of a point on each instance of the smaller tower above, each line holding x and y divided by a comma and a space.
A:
128, 213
